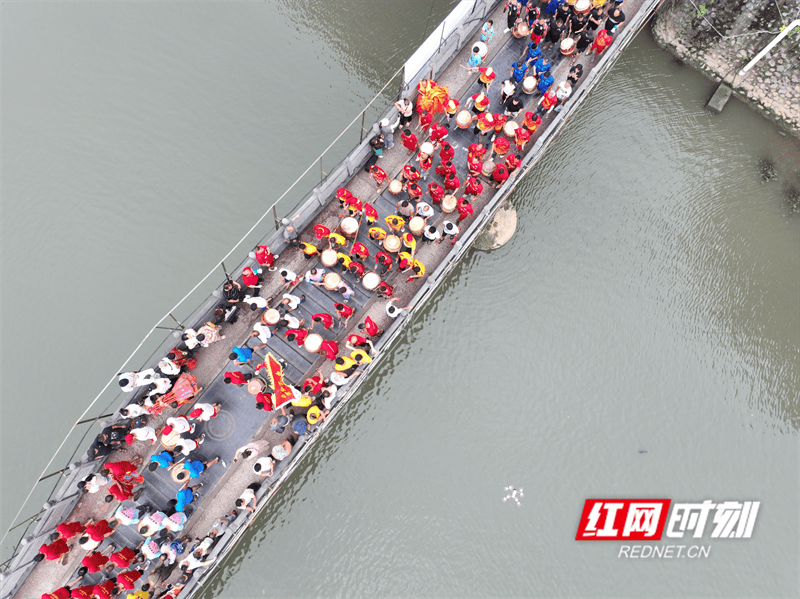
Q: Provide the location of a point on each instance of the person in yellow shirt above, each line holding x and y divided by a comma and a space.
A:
396, 223
334, 237
345, 364
418, 268
309, 250
376, 233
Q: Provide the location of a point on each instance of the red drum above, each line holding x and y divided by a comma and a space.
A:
583, 7
568, 47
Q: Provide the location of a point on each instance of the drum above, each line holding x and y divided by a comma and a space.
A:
349, 227
463, 119
483, 49
256, 385
331, 281
583, 7
426, 148
271, 316
179, 474
416, 225
448, 203
395, 187
371, 281
509, 129
391, 244
521, 30
329, 257
313, 343
568, 46
529, 84
488, 168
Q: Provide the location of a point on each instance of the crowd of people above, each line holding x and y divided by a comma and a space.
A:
171, 384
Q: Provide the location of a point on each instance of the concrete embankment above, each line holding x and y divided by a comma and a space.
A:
720, 37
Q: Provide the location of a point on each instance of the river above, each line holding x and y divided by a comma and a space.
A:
638, 337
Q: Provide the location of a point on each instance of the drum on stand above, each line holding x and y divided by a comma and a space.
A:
488, 168
371, 281
448, 203
426, 148
568, 46
395, 187
331, 281
271, 317
529, 84
256, 385
583, 7
509, 128
349, 227
312, 343
463, 119
391, 244
329, 257
416, 225
520, 30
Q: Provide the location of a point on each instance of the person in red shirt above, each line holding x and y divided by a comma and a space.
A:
329, 349
378, 174
532, 121
521, 137
474, 166
486, 77
127, 580
446, 152
53, 552
124, 470
425, 163
481, 102
409, 141
500, 174
360, 250
370, 213
67, 530
474, 187
357, 268
84, 592
298, 335
425, 120
106, 590
122, 492
512, 163
354, 205
357, 341
436, 192
464, 209
603, 40
450, 109
438, 133
383, 261
343, 311
101, 530
94, 562
452, 183
370, 327
342, 194
183, 358
484, 124
414, 191
500, 146
313, 384
323, 318
410, 173
264, 257
264, 401
499, 122
476, 150
445, 169
123, 557
62, 593
236, 378
385, 290
548, 102
250, 279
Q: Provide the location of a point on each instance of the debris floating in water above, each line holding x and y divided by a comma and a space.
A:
514, 493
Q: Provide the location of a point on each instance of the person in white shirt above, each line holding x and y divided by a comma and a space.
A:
93, 483
143, 433
203, 412
290, 322
432, 235
248, 495
262, 332
289, 277
424, 210
168, 368
256, 302
132, 411
264, 466
292, 301
128, 381
393, 310
315, 275
180, 424
563, 92
159, 386
187, 446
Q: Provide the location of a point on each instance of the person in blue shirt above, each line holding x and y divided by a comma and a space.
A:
184, 497
518, 71
161, 460
475, 58
533, 53
487, 31
540, 65
552, 6
545, 81
196, 467
241, 355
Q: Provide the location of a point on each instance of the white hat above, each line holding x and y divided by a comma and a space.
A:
385, 123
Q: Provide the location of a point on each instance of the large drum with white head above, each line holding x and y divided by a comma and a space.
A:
331, 281
349, 227
371, 281
583, 7
391, 244
256, 385
520, 30
463, 119
488, 168
509, 129
448, 203
529, 84
416, 225
329, 257
568, 46
271, 317
426, 148
483, 49
395, 187
312, 343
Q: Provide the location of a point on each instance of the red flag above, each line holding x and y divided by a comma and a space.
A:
283, 392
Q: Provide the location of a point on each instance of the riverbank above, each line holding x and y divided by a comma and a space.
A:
718, 39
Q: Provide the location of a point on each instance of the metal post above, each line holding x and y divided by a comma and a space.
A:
275, 216
94, 419
227, 276
180, 324
361, 131
321, 174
